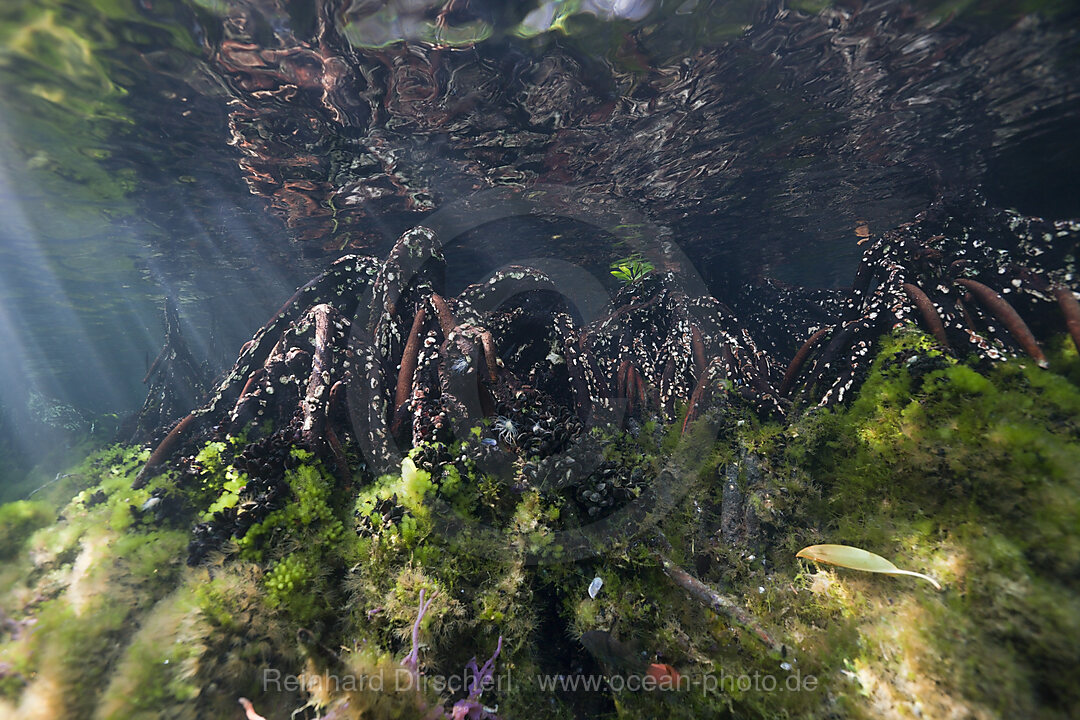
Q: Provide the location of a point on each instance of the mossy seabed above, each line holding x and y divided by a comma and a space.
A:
968, 473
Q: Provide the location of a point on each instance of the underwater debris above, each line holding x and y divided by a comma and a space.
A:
722, 605
664, 676
858, 559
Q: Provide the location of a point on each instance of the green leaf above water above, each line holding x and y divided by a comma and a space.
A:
857, 559
631, 269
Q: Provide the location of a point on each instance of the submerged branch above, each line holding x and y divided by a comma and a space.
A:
721, 605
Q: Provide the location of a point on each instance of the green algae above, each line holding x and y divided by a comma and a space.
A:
972, 474
967, 472
17, 520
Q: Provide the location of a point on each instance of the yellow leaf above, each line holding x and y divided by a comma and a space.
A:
857, 559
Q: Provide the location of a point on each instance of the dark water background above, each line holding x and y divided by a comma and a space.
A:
140, 158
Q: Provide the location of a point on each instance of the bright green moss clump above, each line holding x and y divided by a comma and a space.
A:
290, 584
311, 487
17, 520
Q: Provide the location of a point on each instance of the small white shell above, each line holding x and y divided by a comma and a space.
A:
594, 586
